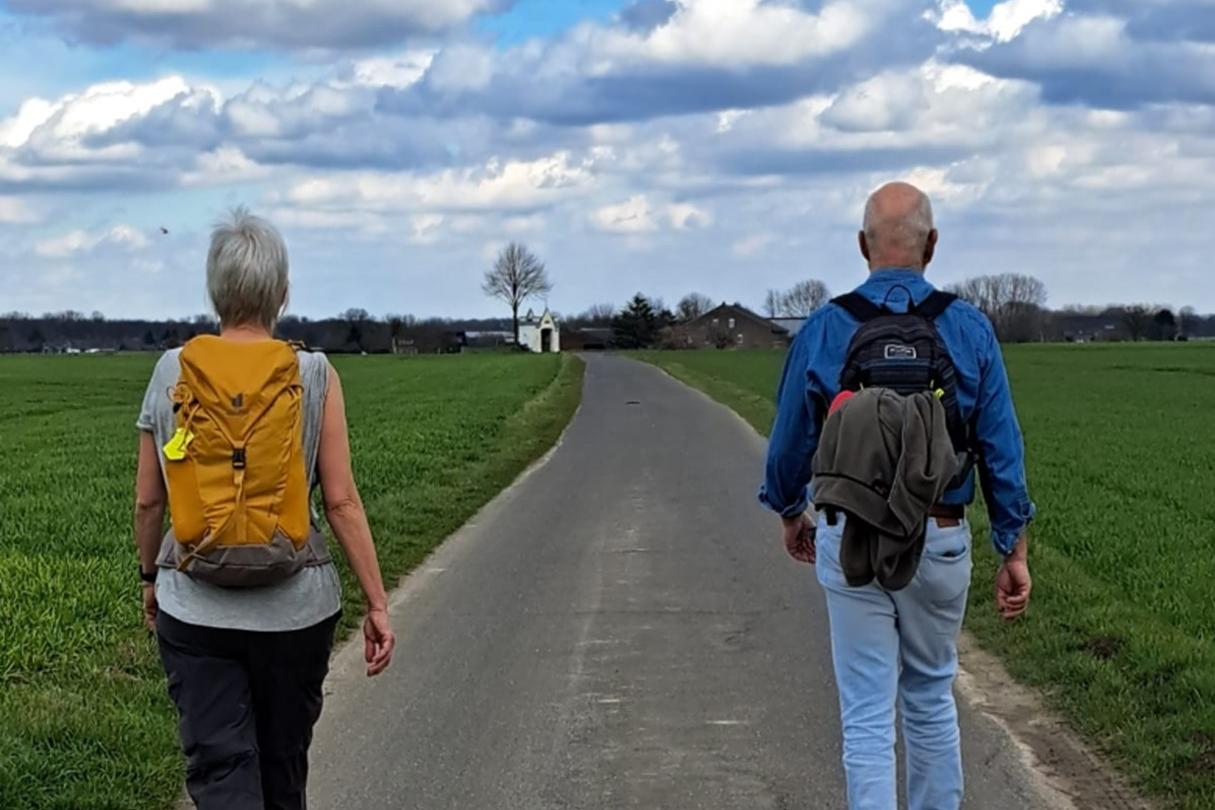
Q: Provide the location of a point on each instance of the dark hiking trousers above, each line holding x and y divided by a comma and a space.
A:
247, 703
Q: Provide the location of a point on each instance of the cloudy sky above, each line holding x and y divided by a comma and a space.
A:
722, 146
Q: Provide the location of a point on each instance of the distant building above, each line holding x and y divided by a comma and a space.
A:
732, 326
540, 334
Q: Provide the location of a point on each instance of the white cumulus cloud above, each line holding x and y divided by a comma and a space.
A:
632, 216
76, 242
510, 185
15, 211
735, 32
1004, 22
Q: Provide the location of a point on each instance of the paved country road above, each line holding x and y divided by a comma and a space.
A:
620, 629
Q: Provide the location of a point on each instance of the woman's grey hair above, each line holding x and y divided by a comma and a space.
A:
246, 270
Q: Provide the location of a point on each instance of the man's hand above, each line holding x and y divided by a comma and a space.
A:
799, 538
1013, 583
149, 605
378, 641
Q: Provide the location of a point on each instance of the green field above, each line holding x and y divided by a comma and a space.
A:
1121, 458
85, 723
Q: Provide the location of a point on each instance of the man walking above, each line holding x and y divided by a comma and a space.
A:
894, 638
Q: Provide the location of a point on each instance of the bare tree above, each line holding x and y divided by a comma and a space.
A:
358, 320
600, 314
516, 276
805, 297
1187, 321
692, 306
397, 326
1013, 302
1137, 320
774, 303
799, 301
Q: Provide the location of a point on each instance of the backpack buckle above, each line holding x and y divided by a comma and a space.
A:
238, 458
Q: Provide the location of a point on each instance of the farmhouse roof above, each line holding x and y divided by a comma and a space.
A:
738, 311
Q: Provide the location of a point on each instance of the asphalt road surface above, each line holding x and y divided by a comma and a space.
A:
620, 629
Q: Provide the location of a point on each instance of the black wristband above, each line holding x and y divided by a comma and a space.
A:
146, 577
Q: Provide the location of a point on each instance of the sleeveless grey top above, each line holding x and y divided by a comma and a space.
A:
309, 597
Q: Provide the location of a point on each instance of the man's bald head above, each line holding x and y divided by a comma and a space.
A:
898, 230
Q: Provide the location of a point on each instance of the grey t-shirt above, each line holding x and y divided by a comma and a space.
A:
309, 597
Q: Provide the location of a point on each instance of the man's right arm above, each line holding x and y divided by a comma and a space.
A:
794, 437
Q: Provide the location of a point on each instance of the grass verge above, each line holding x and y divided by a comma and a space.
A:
85, 722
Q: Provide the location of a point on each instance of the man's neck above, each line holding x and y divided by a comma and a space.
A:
895, 268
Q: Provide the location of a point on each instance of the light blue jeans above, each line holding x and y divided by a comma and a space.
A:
900, 649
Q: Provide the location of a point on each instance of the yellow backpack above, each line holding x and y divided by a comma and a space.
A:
238, 489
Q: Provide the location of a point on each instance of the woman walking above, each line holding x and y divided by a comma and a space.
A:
236, 430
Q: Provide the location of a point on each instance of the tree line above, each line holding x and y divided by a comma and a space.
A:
352, 331
1014, 303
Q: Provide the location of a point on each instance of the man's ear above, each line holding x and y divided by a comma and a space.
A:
930, 247
864, 243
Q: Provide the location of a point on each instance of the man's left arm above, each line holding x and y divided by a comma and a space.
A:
1001, 453
1002, 474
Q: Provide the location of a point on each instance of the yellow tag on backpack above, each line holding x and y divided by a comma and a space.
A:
238, 490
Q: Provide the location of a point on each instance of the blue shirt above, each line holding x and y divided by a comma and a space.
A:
811, 381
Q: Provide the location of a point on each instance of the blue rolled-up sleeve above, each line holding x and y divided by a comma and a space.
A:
1001, 452
794, 437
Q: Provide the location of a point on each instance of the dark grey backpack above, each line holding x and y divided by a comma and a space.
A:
904, 352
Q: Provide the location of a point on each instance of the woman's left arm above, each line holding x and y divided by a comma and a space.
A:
151, 499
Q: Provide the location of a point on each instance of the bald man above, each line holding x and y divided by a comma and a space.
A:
899, 648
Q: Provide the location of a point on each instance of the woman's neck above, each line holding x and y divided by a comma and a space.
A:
245, 333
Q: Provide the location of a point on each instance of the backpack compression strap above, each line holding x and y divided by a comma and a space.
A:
858, 306
936, 303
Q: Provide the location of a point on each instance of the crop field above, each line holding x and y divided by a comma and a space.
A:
1121, 458
85, 723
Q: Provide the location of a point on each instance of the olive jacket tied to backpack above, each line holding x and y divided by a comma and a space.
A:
883, 460
238, 487
900, 443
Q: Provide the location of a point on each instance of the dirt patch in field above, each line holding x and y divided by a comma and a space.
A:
1204, 761
1071, 775
1104, 647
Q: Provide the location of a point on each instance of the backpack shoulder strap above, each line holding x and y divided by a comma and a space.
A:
858, 306
936, 303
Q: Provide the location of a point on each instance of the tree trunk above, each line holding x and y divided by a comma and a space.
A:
514, 314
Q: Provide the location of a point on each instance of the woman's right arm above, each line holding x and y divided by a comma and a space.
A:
346, 516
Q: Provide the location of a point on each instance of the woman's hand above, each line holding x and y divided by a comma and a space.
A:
149, 606
378, 641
